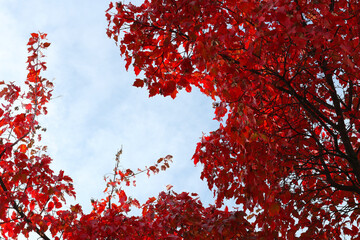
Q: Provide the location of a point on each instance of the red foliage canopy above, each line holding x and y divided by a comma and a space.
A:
285, 78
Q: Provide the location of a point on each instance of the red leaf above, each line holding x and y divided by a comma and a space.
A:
137, 70
34, 35
50, 206
122, 196
274, 209
23, 148
58, 204
138, 83
169, 88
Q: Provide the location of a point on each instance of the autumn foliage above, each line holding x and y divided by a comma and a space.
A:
284, 77
30, 190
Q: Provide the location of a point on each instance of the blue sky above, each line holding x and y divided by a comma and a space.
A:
95, 109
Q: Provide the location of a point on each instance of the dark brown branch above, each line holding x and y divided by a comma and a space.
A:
341, 127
